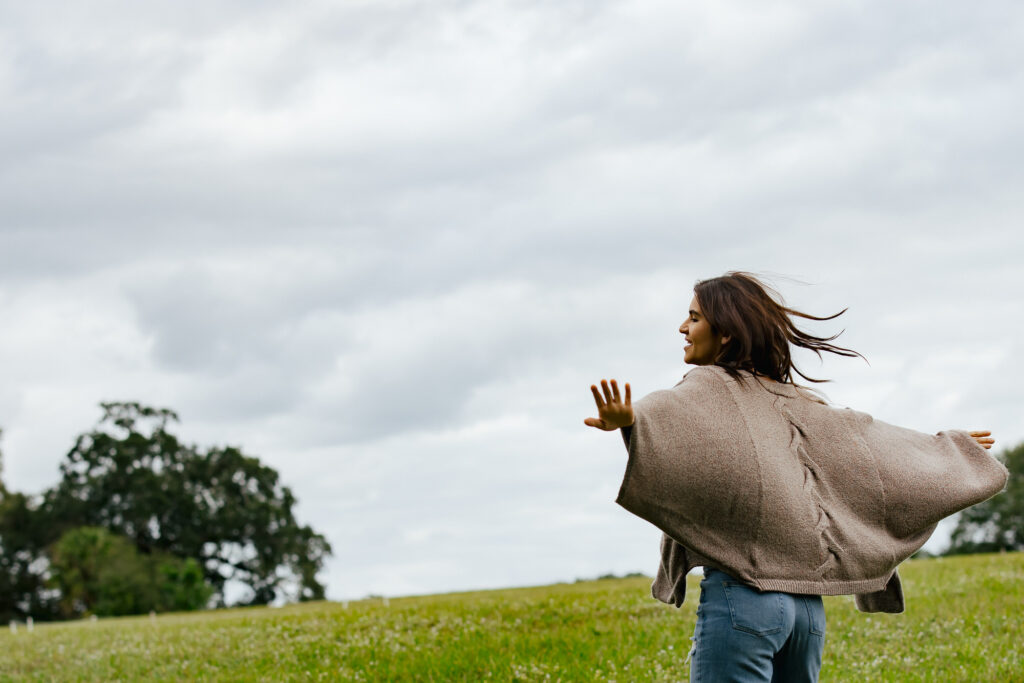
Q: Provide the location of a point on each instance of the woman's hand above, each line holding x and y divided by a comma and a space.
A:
983, 439
612, 411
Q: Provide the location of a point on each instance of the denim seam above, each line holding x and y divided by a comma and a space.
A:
810, 619
726, 585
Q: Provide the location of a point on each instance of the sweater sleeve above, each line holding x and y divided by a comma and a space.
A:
685, 473
927, 477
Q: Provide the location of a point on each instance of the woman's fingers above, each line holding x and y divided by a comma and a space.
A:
610, 406
983, 437
609, 393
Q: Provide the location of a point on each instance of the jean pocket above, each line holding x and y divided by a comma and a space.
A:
815, 615
752, 611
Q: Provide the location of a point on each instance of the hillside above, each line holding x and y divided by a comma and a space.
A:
964, 622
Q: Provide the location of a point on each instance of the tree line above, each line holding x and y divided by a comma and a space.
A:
142, 522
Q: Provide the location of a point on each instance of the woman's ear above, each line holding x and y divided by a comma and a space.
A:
725, 339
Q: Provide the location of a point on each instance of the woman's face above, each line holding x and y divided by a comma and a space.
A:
702, 345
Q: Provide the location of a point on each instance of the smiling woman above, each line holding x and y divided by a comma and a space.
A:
741, 326
781, 497
702, 343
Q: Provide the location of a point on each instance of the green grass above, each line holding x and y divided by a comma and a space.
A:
963, 623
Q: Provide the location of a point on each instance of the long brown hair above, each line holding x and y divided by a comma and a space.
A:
759, 326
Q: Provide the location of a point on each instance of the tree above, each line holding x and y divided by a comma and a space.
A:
98, 572
996, 524
224, 509
182, 585
22, 559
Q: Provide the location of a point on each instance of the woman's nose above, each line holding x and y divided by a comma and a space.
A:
682, 329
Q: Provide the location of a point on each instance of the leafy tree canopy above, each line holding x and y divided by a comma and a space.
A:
23, 565
996, 524
133, 477
98, 572
22, 574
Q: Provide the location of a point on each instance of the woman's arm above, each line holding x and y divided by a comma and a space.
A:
612, 411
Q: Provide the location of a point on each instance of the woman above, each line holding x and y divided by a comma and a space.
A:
781, 497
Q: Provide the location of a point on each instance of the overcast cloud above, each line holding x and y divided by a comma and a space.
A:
387, 246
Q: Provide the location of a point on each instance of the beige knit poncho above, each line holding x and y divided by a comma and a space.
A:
771, 485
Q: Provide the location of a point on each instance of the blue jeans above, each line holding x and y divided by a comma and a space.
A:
745, 635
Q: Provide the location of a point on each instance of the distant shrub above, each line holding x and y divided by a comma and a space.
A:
102, 573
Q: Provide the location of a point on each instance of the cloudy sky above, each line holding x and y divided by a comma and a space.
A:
387, 246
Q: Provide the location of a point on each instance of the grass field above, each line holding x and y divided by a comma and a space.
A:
963, 623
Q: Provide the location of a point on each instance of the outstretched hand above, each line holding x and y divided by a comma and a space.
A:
612, 411
983, 439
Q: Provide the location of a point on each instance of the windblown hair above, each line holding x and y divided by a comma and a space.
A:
760, 327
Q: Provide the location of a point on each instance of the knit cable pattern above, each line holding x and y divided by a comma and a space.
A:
829, 548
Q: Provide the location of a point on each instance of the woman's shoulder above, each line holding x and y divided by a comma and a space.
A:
705, 376
717, 376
